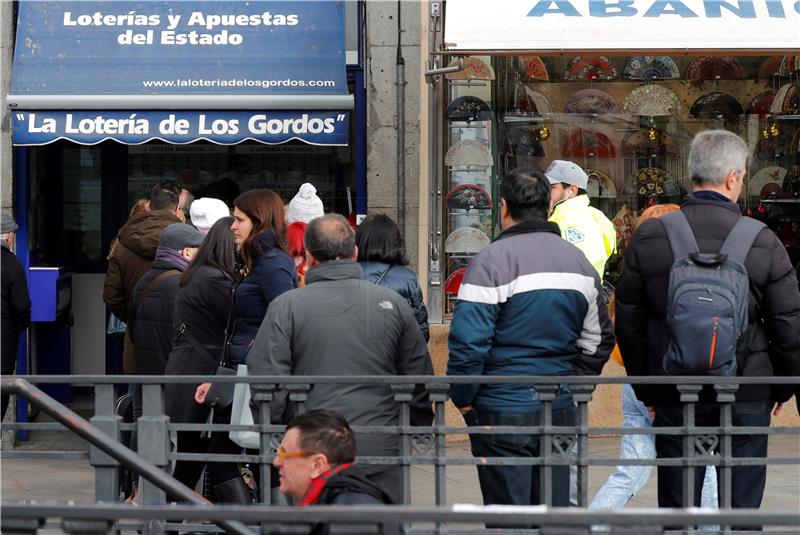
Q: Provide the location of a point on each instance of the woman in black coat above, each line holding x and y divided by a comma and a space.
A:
382, 257
201, 318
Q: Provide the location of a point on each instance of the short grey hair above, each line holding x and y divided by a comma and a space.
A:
714, 154
330, 237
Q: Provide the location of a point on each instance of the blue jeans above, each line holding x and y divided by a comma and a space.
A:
517, 485
623, 484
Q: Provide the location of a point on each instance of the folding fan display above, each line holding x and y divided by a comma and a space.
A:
588, 144
791, 182
651, 182
466, 240
715, 105
591, 101
453, 282
651, 68
468, 109
468, 152
763, 177
761, 103
590, 68
534, 68
474, 69
714, 67
540, 101
468, 197
770, 67
652, 100
640, 145
789, 65
787, 101
600, 185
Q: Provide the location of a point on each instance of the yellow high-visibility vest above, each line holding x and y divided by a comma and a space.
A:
586, 228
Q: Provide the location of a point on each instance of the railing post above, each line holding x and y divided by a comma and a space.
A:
21, 526
87, 527
106, 468
582, 394
438, 394
403, 394
298, 395
153, 446
547, 393
262, 395
726, 396
689, 395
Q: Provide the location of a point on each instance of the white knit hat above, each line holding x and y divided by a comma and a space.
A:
207, 211
305, 206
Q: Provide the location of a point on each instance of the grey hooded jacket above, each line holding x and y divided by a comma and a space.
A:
340, 324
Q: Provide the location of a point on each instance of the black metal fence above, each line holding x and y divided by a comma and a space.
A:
420, 445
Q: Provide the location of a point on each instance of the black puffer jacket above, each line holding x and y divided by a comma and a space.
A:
774, 311
403, 281
150, 322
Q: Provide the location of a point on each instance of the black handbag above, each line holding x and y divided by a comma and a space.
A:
219, 395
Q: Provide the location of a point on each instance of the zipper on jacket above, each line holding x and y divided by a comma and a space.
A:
713, 343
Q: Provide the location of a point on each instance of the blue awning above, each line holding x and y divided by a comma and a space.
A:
94, 70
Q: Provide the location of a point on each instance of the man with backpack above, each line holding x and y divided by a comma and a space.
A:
706, 291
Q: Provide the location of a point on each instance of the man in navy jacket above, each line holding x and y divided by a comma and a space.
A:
530, 304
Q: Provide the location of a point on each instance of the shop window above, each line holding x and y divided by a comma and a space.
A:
629, 122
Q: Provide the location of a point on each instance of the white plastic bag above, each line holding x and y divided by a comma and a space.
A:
241, 413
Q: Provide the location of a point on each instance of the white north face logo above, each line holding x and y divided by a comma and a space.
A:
574, 236
386, 305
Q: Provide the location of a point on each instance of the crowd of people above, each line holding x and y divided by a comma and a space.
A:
291, 290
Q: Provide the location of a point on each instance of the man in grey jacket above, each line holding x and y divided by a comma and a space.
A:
340, 324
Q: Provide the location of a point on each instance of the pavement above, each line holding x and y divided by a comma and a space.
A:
73, 480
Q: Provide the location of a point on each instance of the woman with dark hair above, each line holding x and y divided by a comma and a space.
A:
202, 317
382, 256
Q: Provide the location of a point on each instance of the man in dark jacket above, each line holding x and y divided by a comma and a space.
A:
16, 304
717, 165
316, 465
340, 324
150, 314
530, 304
134, 254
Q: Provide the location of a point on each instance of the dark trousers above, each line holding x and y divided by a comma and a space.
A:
8, 355
517, 485
748, 482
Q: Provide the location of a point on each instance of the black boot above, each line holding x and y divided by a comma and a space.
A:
233, 491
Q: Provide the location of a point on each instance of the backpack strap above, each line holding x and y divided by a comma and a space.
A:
154, 283
680, 235
741, 237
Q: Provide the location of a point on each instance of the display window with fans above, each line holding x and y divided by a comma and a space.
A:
628, 121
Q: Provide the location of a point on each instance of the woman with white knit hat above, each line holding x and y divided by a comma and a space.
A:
305, 206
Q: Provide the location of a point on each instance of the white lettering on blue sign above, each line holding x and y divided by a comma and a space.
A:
712, 9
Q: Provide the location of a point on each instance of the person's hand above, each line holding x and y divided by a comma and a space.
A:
777, 409
465, 410
200, 393
651, 410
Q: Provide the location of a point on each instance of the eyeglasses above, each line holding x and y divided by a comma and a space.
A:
283, 454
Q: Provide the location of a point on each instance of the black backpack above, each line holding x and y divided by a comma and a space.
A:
707, 299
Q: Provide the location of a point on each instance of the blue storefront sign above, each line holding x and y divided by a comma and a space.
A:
225, 128
179, 48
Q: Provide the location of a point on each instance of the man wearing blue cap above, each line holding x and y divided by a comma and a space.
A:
16, 304
585, 227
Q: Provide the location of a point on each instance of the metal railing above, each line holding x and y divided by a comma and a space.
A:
419, 445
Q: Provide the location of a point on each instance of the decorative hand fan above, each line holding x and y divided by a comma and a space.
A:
453, 282
651, 68
652, 100
521, 142
639, 145
761, 103
787, 101
600, 185
590, 68
791, 182
716, 104
714, 67
770, 67
789, 65
540, 101
468, 108
535, 68
651, 182
474, 69
591, 101
466, 240
763, 177
771, 190
467, 197
468, 152
587, 144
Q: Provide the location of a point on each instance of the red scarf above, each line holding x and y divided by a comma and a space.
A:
317, 484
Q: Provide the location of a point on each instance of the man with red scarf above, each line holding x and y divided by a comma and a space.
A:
316, 465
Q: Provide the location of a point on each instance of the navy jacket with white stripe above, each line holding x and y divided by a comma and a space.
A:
530, 304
